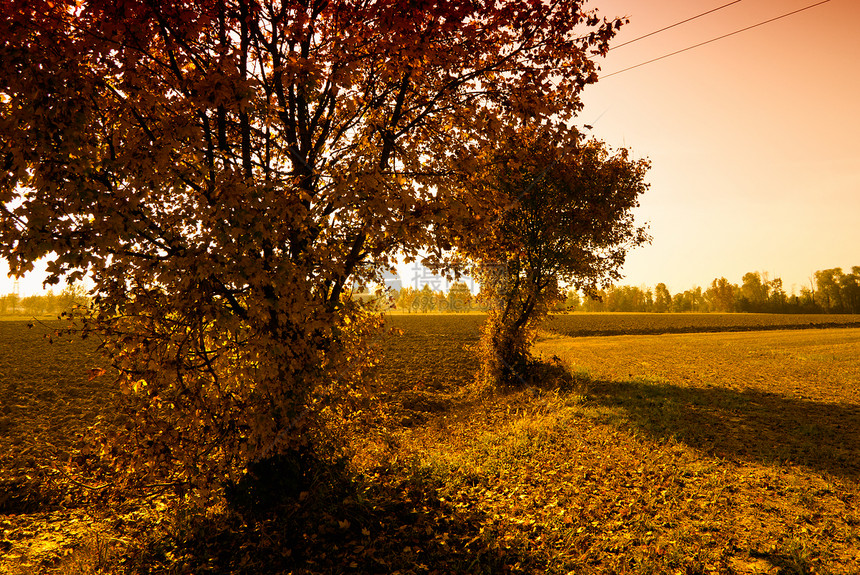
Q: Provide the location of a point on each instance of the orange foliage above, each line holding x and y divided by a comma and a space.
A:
224, 170
564, 217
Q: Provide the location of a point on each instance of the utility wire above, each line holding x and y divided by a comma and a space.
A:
673, 25
717, 38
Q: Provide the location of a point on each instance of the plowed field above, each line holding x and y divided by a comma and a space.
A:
583, 324
696, 453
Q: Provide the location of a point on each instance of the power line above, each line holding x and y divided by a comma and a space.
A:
675, 24
715, 39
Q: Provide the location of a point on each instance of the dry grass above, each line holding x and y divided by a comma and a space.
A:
694, 453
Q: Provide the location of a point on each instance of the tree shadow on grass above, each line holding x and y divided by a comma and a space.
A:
742, 425
392, 520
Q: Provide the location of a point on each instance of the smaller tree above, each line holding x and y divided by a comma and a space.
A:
829, 293
12, 302
689, 300
564, 219
662, 298
625, 299
649, 300
777, 297
573, 300
405, 298
594, 302
459, 297
754, 292
806, 302
721, 296
425, 300
850, 285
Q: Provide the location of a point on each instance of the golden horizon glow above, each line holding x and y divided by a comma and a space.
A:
753, 138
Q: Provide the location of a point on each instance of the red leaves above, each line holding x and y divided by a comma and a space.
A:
225, 171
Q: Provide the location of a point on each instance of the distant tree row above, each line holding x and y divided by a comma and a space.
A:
458, 299
46, 304
829, 291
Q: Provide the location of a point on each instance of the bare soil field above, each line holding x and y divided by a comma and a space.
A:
47, 400
585, 324
693, 453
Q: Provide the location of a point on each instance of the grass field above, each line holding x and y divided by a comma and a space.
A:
693, 453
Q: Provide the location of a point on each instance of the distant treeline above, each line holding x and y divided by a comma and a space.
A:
829, 291
49, 303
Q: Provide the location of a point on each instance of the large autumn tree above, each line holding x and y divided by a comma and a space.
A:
564, 219
224, 170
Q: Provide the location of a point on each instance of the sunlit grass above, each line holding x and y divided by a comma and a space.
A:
731, 452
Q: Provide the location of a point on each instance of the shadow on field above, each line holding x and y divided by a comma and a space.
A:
397, 523
746, 425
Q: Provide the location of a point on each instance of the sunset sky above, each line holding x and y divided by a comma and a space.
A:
753, 138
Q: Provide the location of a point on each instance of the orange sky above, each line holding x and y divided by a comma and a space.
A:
754, 139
